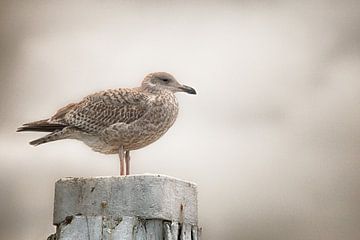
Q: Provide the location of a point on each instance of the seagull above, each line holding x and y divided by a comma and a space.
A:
116, 121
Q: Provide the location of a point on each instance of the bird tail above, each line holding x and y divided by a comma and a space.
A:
41, 126
56, 130
57, 135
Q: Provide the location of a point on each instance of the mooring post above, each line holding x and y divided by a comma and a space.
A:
135, 207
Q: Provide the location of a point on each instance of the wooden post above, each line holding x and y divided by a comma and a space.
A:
135, 207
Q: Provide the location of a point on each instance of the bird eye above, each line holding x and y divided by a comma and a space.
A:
165, 80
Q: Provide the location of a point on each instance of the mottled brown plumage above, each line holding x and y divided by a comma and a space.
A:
117, 120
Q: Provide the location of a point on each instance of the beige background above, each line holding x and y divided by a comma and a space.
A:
272, 138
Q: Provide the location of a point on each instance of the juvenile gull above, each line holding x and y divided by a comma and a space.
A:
117, 121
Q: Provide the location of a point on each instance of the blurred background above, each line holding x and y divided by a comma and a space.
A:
272, 139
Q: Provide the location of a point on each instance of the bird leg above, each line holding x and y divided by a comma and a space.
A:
122, 158
127, 160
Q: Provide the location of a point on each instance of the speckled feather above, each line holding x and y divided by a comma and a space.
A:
116, 117
132, 118
98, 111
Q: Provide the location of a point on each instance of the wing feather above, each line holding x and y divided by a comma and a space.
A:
100, 110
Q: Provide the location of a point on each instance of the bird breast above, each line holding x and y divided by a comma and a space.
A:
160, 116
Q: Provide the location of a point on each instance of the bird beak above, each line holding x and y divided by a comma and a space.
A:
187, 89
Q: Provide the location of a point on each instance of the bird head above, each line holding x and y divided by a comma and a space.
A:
164, 81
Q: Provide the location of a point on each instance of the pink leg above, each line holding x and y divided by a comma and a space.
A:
127, 160
122, 162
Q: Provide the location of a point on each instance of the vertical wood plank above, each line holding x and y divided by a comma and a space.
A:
154, 229
194, 233
167, 231
140, 231
81, 228
185, 232
124, 231
175, 230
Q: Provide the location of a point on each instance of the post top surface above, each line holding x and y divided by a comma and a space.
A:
145, 176
150, 196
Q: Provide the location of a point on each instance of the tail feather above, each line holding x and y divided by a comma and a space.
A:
37, 141
41, 126
57, 135
40, 140
57, 131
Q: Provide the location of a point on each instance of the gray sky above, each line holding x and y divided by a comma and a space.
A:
272, 138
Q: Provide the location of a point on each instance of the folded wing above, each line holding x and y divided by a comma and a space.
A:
100, 110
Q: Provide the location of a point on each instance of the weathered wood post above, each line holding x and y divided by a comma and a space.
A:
134, 207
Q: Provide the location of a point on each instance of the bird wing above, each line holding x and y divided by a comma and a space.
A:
100, 110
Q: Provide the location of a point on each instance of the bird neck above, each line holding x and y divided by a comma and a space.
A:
156, 91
